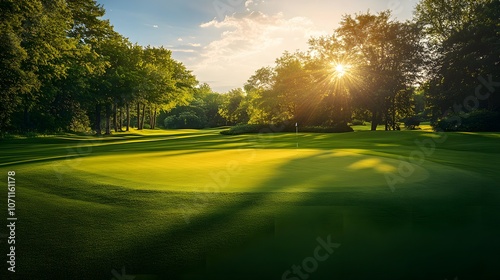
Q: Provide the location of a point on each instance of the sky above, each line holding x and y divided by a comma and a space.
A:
224, 41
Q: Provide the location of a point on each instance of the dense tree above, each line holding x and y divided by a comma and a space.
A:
388, 55
234, 107
210, 101
63, 67
370, 63
202, 111
261, 101
463, 42
13, 82
292, 86
34, 43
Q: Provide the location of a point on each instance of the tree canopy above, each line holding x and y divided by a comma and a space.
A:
64, 68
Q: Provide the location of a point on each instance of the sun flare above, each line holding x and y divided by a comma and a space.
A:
340, 70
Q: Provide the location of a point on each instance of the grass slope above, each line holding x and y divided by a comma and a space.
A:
199, 205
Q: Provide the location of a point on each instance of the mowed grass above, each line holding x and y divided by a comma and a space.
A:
194, 204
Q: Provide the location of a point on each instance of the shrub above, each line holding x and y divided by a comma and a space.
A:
80, 122
412, 122
258, 128
358, 122
244, 129
186, 119
476, 121
6, 135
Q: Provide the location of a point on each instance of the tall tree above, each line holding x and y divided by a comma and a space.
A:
463, 40
293, 88
260, 95
34, 42
234, 107
13, 82
389, 55
210, 102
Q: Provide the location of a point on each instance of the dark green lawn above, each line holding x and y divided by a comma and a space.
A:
200, 205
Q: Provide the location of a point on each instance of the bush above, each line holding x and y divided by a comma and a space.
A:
6, 135
476, 121
258, 128
184, 120
185, 117
244, 129
358, 122
412, 122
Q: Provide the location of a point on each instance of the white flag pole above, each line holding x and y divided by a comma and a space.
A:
297, 133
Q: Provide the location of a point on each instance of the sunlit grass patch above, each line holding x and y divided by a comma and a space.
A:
196, 203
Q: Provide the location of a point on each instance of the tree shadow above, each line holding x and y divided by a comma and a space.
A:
260, 234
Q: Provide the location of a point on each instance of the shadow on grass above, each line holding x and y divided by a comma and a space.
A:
259, 235
22, 151
389, 237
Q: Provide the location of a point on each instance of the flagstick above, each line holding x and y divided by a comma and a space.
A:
297, 133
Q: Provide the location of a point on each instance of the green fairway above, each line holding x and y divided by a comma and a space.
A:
195, 204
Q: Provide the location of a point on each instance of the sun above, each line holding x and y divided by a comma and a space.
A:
340, 70
340, 73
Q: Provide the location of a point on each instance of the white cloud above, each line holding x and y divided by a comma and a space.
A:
249, 3
194, 45
252, 4
182, 50
250, 41
210, 23
155, 26
180, 39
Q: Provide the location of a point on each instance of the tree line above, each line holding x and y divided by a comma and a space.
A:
64, 68
377, 69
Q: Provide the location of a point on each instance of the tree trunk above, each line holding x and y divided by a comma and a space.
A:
128, 117
151, 117
387, 121
115, 117
120, 121
108, 119
374, 120
26, 119
394, 124
138, 116
143, 117
154, 119
98, 119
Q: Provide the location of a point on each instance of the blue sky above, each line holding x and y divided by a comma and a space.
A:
225, 41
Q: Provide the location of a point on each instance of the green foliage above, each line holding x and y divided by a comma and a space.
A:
245, 129
382, 60
62, 65
187, 119
412, 122
210, 102
234, 107
388, 57
463, 48
33, 44
64, 68
357, 122
476, 121
287, 127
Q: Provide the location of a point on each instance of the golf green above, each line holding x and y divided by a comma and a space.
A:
195, 204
